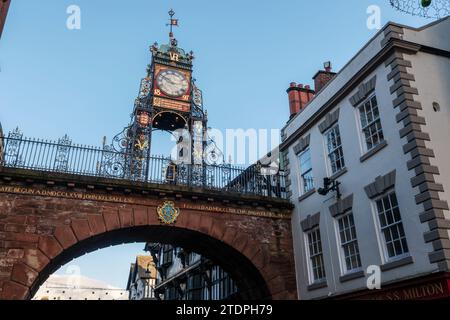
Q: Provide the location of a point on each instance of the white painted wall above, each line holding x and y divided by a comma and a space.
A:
432, 74
432, 80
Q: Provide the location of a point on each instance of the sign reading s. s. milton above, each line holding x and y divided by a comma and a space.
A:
433, 290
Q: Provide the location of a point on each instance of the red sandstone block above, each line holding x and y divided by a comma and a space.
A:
5, 271
251, 249
260, 259
206, 223
49, 246
152, 216
13, 291
25, 211
32, 220
217, 230
23, 237
285, 295
126, 217
7, 262
15, 228
271, 271
30, 229
277, 285
23, 274
15, 219
45, 230
81, 229
229, 235
35, 259
15, 253
112, 221
140, 216
240, 241
65, 236
96, 223
19, 245
193, 219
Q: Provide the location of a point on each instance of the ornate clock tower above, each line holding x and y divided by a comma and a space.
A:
168, 100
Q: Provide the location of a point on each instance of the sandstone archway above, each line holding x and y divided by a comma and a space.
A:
41, 230
249, 280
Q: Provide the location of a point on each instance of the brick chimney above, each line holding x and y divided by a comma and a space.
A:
323, 77
299, 97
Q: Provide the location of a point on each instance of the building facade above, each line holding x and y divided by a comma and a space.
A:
77, 287
184, 275
142, 279
379, 132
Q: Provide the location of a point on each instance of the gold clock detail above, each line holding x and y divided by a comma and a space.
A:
172, 83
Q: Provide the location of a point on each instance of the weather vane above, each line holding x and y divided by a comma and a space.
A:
434, 9
172, 23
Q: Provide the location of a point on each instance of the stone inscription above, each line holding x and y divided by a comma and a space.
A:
133, 200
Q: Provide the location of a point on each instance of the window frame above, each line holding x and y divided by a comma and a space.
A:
310, 267
302, 183
326, 135
362, 128
222, 285
167, 255
380, 229
340, 244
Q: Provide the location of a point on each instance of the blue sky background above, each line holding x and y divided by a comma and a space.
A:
55, 81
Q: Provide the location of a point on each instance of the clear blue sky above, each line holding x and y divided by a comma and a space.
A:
83, 82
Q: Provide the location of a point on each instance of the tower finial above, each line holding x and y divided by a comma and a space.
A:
172, 22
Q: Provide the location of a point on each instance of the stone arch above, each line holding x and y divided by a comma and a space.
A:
249, 279
257, 251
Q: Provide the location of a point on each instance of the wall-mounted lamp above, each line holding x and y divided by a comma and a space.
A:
330, 185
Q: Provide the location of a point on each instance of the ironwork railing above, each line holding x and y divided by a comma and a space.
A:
65, 157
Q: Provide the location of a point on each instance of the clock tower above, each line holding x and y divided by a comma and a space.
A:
168, 100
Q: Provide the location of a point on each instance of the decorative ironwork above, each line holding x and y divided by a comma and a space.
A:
434, 9
108, 162
13, 151
112, 164
62, 154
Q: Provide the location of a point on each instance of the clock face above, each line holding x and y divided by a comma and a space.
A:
172, 83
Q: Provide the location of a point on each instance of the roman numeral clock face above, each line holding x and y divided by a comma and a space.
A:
172, 83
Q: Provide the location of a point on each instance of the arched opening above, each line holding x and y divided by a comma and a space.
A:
246, 276
169, 121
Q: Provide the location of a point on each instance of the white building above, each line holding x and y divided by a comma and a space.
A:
142, 279
77, 287
381, 128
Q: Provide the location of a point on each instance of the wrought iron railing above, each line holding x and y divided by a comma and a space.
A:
65, 157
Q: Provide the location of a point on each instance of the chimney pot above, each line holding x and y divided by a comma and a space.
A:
322, 77
299, 97
293, 84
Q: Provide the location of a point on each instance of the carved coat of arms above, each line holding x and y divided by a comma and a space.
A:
167, 212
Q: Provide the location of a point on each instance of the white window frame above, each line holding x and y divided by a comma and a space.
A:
340, 247
362, 128
328, 152
379, 230
310, 269
301, 174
